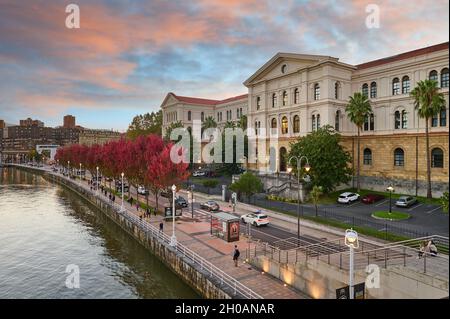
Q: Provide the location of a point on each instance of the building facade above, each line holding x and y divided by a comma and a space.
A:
69, 121
294, 94
90, 137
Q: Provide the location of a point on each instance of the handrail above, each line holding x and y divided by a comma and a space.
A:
224, 278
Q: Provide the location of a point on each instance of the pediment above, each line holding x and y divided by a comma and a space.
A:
292, 62
169, 100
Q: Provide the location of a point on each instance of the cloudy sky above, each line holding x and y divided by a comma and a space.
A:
129, 53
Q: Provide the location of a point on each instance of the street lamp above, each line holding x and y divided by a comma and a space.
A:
191, 191
173, 239
121, 207
80, 173
68, 168
351, 241
390, 189
289, 170
97, 181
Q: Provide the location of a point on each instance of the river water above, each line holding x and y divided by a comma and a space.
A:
48, 233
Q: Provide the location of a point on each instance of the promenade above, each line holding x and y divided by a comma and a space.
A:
195, 235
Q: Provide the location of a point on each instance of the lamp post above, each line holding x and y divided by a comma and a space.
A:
191, 190
121, 207
173, 239
390, 189
68, 169
299, 167
351, 241
80, 173
97, 181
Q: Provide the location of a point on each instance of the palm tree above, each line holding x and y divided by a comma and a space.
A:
242, 122
209, 122
428, 102
357, 109
230, 124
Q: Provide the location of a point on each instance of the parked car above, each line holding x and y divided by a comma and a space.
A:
166, 194
255, 219
119, 186
371, 198
347, 198
180, 202
405, 201
142, 191
210, 205
199, 173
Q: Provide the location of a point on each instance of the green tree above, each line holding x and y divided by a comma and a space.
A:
210, 183
145, 124
171, 127
242, 122
315, 193
328, 160
428, 102
444, 202
358, 109
248, 184
209, 122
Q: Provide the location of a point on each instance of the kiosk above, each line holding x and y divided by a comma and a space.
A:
225, 226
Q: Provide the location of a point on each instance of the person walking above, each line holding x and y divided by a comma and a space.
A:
114, 198
236, 254
137, 206
161, 227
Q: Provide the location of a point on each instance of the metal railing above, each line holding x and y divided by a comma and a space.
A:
215, 273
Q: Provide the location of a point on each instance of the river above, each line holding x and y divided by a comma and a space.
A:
48, 233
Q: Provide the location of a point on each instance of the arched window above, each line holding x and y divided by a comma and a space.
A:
274, 99
258, 103
296, 96
202, 116
404, 119
256, 127
373, 90
284, 125
318, 121
397, 120
313, 122
395, 86
274, 123
433, 76
372, 122
399, 157
435, 120
189, 116
443, 118
283, 159
296, 124
365, 90
336, 120
336, 90
285, 97
366, 123
406, 84
437, 158
316, 91
367, 156
444, 78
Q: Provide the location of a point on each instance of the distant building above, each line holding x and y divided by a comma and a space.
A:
29, 122
92, 137
69, 121
2, 124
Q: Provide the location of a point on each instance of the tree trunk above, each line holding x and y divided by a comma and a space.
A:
156, 197
316, 209
428, 160
358, 186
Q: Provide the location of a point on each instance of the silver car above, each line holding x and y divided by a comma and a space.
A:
405, 201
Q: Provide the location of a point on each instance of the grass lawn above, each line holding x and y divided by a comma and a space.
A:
383, 214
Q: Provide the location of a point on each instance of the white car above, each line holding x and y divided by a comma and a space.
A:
142, 191
198, 173
256, 219
347, 198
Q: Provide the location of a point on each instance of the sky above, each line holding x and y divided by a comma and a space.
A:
128, 54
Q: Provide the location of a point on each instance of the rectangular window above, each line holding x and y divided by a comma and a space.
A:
396, 88
434, 121
399, 160
443, 118
366, 123
367, 159
372, 122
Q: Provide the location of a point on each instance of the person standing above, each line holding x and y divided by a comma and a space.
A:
161, 227
236, 255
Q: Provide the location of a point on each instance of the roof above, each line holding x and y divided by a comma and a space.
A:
209, 102
405, 55
225, 216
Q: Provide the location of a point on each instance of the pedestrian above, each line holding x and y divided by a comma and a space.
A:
236, 255
137, 205
147, 213
154, 211
161, 227
114, 198
110, 198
